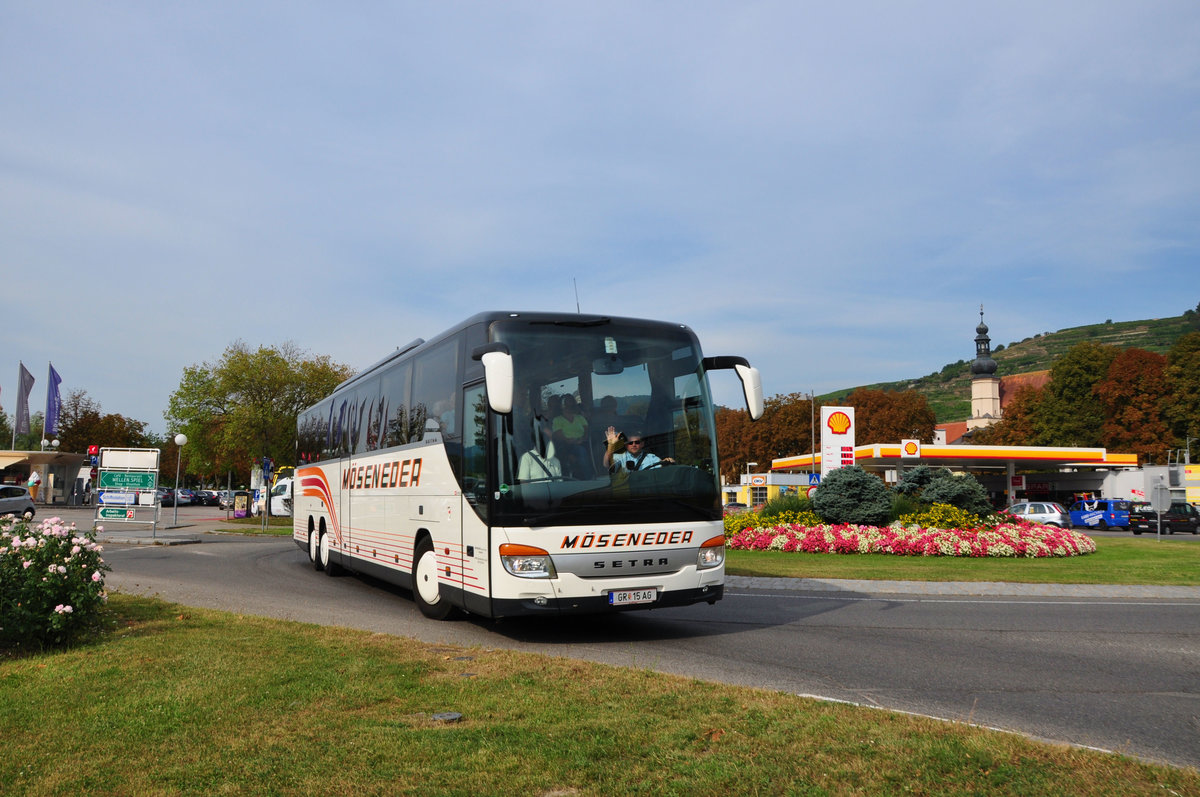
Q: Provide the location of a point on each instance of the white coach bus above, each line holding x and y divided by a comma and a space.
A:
472, 468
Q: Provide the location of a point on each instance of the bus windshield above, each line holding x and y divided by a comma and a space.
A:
643, 380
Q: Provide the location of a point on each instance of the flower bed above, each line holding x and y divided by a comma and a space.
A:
1017, 539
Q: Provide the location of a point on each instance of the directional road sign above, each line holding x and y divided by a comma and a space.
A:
117, 513
127, 480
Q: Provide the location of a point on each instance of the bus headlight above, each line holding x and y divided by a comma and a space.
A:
712, 553
526, 561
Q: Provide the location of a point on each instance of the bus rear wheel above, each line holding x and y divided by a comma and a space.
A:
326, 563
426, 592
314, 549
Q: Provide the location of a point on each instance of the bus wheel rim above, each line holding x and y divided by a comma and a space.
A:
427, 580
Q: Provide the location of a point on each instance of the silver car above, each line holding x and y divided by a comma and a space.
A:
1047, 513
17, 501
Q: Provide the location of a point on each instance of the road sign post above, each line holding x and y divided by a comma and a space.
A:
126, 478
1160, 501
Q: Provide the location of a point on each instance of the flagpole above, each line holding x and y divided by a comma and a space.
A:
20, 365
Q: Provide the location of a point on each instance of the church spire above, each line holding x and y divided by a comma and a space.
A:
984, 365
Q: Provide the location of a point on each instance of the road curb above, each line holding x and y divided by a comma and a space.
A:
965, 588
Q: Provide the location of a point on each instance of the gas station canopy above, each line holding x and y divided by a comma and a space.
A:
885, 456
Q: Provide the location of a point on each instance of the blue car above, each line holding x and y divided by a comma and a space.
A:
1102, 513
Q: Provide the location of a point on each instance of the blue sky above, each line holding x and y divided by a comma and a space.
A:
828, 189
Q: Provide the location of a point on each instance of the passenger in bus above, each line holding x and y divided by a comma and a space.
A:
539, 462
605, 415
629, 453
570, 435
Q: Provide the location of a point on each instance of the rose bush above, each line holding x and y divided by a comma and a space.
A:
1008, 538
51, 583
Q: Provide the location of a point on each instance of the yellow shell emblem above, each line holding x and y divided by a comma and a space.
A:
839, 422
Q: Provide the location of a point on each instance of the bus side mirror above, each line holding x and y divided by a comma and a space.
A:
751, 380
498, 375
752, 387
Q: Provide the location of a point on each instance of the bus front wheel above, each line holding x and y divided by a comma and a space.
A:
426, 591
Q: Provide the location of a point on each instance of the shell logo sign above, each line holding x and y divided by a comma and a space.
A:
837, 438
910, 449
839, 422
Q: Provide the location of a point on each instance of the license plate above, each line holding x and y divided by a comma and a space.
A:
627, 596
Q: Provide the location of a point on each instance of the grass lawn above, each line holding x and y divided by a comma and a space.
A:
276, 526
180, 700
1116, 561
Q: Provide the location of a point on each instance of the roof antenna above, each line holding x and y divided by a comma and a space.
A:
576, 284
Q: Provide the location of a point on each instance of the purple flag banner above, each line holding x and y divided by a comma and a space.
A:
53, 403
24, 385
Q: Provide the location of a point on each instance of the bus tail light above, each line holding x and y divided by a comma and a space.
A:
712, 553
526, 561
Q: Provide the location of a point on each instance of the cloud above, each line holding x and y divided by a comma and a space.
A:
831, 191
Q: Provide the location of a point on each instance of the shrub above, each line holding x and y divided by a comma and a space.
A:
940, 486
785, 503
941, 516
851, 495
903, 505
914, 480
736, 521
51, 583
962, 491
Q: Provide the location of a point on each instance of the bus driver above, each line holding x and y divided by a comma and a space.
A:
634, 457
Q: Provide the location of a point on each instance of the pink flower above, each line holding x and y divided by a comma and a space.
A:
96, 576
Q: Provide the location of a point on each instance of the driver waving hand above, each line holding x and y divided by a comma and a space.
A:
633, 457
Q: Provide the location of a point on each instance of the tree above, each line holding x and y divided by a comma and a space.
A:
1070, 413
1017, 427
245, 405
885, 416
1182, 408
31, 440
784, 429
734, 442
1133, 394
851, 495
81, 424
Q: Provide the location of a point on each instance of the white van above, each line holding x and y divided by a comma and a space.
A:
281, 499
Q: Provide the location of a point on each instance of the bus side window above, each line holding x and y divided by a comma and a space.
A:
435, 391
395, 390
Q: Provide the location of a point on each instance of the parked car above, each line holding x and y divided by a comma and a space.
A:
16, 500
166, 496
734, 507
1101, 513
184, 496
206, 498
1047, 513
1181, 517
225, 499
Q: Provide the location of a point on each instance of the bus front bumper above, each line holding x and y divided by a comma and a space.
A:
599, 604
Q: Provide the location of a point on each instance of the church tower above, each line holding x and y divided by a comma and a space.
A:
985, 385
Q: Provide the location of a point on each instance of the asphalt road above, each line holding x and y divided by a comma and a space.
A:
1116, 674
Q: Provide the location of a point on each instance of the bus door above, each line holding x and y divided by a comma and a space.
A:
473, 510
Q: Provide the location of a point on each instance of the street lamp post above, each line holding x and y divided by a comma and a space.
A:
749, 489
812, 429
180, 442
